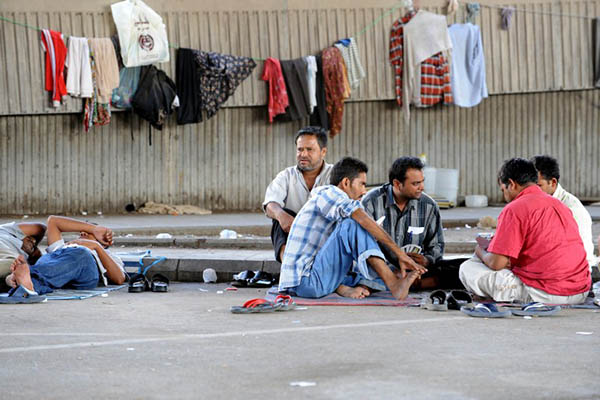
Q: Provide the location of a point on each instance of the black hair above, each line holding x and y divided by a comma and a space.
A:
347, 167
317, 131
520, 170
403, 164
547, 167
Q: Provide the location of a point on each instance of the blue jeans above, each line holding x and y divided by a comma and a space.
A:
72, 267
348, 242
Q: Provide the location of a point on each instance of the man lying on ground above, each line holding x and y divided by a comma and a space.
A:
548, 176
331, 232
411, 217
536, 253
19, 239
79, 264
290, 189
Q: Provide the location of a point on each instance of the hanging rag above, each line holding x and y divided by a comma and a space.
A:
278, 97
311, 77
506, 13
107, 68
451, 7
468, 65
351, 57
56, 53
117, 45
79, 71
95, 112
296, 83
155, 97
425, 69
335, 87
596, 55
220, 75
187, 79
472, 12
319, 117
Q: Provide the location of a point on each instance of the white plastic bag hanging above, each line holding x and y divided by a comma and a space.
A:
142, 34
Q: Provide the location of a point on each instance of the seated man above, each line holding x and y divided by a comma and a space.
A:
331, 232
290, 189
19, 239
536, 253
412, 217
79, 264
548, 176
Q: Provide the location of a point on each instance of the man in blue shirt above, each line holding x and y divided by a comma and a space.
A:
331, 232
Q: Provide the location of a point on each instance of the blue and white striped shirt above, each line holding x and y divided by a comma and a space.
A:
312, 227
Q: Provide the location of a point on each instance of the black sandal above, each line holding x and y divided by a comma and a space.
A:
138, 283
160, 283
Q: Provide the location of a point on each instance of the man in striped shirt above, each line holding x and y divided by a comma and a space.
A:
411, 217
331, 232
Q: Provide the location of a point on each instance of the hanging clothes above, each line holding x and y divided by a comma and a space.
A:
468, 65
79, 71
335, 87
56, 53
427, 81
356, 72
129, 79
278, 97
596, 55
95, 112
187, 80
220, 75
319, 117
296, 83
155, 97
117, 45
311, 77
107, 68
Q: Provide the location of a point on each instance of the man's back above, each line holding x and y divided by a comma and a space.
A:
541, 238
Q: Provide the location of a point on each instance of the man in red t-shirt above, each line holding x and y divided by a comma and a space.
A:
536, 253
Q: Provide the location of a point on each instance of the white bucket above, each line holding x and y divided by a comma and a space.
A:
446, 183
430, 175
476, 200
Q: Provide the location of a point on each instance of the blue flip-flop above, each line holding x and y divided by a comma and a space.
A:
484, 310
22, 295
536, 309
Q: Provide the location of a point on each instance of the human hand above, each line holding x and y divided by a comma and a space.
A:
90, 244
407, 263
285, 220
103, 235
483, 242
419, 259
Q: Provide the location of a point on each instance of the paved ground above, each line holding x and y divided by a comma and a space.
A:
186, 345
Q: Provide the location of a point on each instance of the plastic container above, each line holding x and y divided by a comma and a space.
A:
430, 175
476, 200
446, 183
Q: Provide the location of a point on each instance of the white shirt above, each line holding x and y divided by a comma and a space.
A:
59, 244
583, 219
289, 188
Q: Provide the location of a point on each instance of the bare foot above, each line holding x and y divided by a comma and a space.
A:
358, 292
400, 287
20, 271
10, 281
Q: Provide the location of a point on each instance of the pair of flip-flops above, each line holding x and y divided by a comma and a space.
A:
489, 310
253, 279
439, 300
139, 283
281, 303
22, 295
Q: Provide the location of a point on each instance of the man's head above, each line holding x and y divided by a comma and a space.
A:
311, 148
350, 175
29, 246
515, 175
406, 177
548, 173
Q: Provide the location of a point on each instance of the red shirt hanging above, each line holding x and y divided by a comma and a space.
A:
278, 98
56, 53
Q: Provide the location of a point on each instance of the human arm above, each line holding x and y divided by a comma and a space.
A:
37, 230
275, 211
58, 225
492, 260
404, 261
113, 272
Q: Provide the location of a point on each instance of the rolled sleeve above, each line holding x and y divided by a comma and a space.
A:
335, 205
277, 190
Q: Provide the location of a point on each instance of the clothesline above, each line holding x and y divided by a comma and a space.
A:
373, 23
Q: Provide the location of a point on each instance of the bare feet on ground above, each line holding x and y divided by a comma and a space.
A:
357, 292
20, 271
400, 288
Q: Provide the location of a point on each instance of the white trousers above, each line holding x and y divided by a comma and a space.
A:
505, 286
